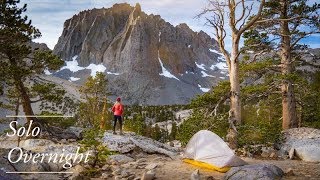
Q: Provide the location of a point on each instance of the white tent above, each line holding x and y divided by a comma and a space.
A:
208, 150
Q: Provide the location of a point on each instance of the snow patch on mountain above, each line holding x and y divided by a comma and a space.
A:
189, 72
221, 58
200, 66
165, 72
73, 65
96, 68
47, 72
219, 65
116, 74
203, 89
74, 79
204, 74
215, 51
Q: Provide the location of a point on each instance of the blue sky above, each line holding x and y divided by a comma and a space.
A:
49, 15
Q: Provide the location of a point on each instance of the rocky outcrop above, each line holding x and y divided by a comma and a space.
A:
147, 60
303, 143
129, 142
142, 154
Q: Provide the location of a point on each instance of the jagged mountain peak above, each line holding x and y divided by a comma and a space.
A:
147, 60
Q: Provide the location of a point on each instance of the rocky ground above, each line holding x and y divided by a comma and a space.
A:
139, 157
166, 168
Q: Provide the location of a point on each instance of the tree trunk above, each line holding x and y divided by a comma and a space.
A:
235, 105
26, 102
25, 99
235, 108
289, 114
103, 115
16, 118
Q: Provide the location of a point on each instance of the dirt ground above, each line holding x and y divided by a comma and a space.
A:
176, 169
169, 169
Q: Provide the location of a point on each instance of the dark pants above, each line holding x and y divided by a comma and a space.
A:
115, 122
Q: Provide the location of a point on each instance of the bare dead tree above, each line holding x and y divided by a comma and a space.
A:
223, 14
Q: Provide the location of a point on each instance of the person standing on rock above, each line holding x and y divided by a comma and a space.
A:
117, 110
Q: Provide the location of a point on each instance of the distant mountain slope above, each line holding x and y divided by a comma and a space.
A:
146, 59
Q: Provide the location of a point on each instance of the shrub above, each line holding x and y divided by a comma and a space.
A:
91, 142
261, 125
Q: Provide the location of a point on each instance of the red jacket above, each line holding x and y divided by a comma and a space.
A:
117, 109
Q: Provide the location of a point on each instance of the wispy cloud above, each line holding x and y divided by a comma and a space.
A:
49, 15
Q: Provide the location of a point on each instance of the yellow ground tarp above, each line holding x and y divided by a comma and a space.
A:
206, 165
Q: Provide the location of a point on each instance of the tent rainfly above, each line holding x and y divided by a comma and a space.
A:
208, 150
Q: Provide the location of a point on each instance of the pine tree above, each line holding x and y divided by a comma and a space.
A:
282, 26
94, 111
174, 130
19, 63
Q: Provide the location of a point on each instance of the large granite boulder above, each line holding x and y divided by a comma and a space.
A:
303, 143
35, 146
129, 142
255, 171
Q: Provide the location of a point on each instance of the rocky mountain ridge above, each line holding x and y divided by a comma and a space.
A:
146, 59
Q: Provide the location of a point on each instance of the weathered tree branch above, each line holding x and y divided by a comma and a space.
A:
253, 20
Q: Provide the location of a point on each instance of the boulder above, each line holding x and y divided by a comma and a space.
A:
255, 171
121, 144
152, 166
8, 142
76, 131
120, 159
149, 175
303, 143
37, 145
129, 141
76, 172
309, 152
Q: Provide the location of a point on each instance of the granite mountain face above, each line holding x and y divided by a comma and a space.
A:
147, 60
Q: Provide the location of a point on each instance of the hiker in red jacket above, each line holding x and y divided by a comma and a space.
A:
117, 110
